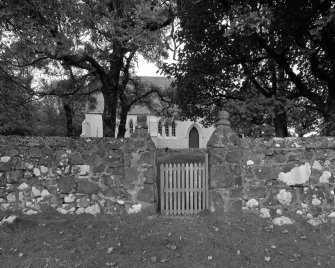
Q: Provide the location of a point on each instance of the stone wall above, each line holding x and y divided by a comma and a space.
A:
91, 175
272, 177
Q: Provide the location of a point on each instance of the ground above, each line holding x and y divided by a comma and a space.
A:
205, 240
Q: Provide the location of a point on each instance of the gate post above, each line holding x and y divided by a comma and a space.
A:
140, 167
225, 167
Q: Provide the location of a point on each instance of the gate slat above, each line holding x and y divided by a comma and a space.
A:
170, 190
161, 183
200, 186
174, 198
178, 189
206, 181
182, 188
166, 189
203, 187
187, 189
191, 188
195, 186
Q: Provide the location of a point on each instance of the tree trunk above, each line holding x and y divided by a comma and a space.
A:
67, 106
123, 121
280, 122
328, 128
110, 112
110, 91
278, 86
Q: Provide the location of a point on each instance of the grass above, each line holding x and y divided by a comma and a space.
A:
206, 240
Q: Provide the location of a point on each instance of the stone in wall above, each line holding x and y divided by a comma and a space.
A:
298, 175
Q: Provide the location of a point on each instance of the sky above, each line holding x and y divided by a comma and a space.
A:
146, 69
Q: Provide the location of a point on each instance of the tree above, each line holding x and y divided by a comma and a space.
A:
139, 92
281, 49
15, 100
101, 38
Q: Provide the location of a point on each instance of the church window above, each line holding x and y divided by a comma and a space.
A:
166, 129
160, 130
173, 126
131, 127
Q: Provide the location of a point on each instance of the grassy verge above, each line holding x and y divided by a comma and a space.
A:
53, 240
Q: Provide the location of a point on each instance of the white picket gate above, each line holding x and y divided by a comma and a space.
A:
184, 188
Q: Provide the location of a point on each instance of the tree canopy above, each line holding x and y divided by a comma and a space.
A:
271, 58
96, 40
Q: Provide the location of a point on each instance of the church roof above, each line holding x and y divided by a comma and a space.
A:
158, 81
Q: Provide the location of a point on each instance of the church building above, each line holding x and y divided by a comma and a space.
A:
165, 132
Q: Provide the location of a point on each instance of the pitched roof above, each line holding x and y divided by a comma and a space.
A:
158, 81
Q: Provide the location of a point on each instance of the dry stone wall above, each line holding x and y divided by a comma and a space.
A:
274, 178
291, 175
96, 175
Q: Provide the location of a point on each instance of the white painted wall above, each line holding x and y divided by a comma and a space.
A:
93, 124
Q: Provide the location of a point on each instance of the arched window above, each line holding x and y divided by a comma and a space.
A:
160, 130
166, 129
131, 127
173, 126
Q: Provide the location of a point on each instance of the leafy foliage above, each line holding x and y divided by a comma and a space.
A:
271, 54
97, 40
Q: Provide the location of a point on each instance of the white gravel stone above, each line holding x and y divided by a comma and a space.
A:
5, 207
250, 162
265, 213
325, 177
314, 222
317, 165
332, 215
135, 208
316, 201
5, 159
45, 193
21, 196
252, 203
284, 197
23, 186
37, 172
297, 175
80, 211
282, 220
299, 212
62, 211
11, 197
29, 166
30, 212
304, 205
93, 210
29, 204
69, 198
44, 169
83, 169
36, 192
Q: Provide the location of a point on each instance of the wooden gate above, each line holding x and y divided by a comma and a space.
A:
184, 188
